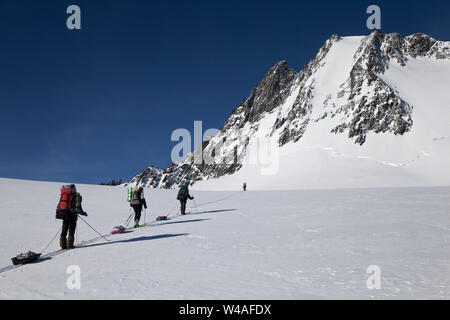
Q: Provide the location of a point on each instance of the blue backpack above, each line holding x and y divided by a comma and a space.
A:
182, 194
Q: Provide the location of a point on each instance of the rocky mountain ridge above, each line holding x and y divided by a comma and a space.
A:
362, 104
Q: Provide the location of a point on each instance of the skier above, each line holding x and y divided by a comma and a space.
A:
245, 186
137, 201
69, 208
183, 195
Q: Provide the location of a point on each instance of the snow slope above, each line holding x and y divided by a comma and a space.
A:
241, 245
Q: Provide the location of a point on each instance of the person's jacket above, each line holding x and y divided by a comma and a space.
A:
186, 196
142, 202
76, 209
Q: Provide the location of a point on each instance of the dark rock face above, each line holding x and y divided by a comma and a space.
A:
364, 103
419, 44
150, 177
384, 111
268, 94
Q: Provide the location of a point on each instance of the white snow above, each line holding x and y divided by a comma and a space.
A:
334, 71
241, 245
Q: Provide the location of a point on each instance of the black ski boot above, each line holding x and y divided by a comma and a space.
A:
63, 243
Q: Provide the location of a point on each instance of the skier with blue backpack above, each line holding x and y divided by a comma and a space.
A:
183, 196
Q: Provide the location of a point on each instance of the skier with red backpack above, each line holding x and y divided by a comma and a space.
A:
69, 207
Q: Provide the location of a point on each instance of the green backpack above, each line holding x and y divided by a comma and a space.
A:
130, 192
76, 203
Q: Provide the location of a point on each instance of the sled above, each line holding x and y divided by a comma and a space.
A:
161, 218
25, 258
118, 229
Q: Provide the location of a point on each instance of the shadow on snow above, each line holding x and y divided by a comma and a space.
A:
164, 222
138, 239
213, 211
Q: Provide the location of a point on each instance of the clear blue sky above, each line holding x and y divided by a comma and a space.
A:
100, 103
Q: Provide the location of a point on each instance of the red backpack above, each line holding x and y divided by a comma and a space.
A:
63, 208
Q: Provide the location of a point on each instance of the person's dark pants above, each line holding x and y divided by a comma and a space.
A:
69, 225
183, 205
137, 212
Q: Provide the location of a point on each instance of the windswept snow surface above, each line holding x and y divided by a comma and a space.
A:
236, 245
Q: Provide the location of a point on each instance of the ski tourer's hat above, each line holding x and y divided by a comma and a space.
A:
70, 186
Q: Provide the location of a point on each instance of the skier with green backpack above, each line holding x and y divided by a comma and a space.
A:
137, 200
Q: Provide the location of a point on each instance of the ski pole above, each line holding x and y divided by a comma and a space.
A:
127, 222
172, 210
145, 215
94, 229
196, 210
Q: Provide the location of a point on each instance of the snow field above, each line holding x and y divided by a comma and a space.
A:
241, 245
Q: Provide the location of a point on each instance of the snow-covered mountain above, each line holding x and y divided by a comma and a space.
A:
365, 112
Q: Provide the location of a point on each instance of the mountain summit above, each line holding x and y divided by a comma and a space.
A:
365, 112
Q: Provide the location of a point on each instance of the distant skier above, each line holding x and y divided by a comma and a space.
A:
183, 195
68, 209
136, 202
244, 186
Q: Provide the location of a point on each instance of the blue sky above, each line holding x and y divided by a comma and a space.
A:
99, 103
